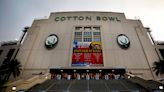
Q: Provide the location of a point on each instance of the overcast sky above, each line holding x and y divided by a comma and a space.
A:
16, 14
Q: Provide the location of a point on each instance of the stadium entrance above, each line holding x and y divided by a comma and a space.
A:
87, 74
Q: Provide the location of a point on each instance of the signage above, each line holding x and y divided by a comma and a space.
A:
123, 41
87, 54
86, 18
51, 41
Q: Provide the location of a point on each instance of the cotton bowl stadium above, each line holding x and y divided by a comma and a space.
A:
86, 51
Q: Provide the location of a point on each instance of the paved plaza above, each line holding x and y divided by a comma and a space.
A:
121, 85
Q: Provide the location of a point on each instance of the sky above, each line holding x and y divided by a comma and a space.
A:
16, 14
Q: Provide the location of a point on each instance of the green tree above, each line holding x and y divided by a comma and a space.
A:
3, 75
14, 68
3, 71
159, 67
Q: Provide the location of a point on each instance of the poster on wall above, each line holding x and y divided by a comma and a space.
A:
87, 54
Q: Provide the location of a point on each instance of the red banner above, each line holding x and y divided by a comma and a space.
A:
87, 57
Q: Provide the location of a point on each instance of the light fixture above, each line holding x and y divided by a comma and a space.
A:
74, 70
87, 70
128, 77
100, 70
13, 88
161, 87
113, 70
61, 70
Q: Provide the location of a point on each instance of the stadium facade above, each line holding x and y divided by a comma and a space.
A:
87, 40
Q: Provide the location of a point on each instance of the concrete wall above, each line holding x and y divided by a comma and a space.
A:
138, 58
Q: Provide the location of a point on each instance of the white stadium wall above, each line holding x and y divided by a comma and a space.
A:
138, 58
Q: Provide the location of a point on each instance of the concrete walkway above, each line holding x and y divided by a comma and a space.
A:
121, 85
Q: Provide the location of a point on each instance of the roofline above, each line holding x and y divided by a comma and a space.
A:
86, 12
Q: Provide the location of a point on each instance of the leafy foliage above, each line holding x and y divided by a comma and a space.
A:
159, 67
13, 67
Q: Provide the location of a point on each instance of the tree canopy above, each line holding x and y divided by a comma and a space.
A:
158, 67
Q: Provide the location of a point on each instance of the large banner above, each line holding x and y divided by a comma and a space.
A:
87, 54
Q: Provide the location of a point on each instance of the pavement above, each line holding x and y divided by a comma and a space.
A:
120, 85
